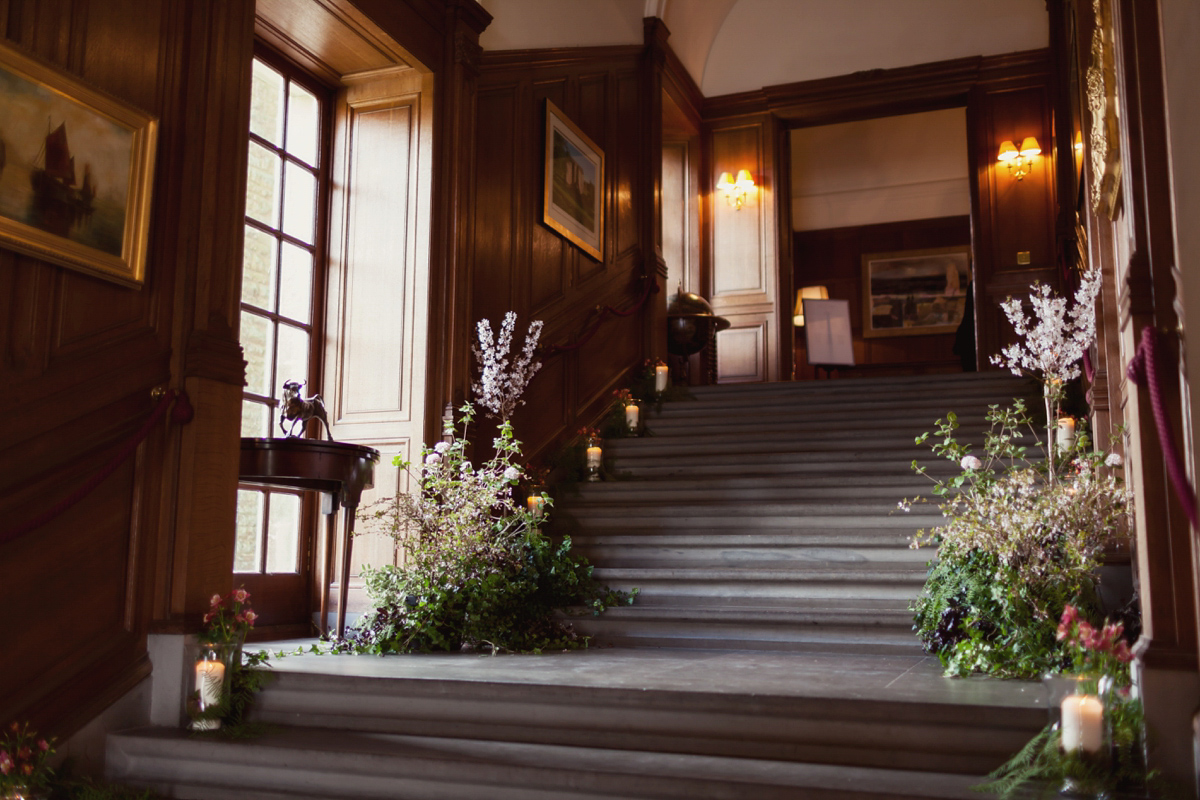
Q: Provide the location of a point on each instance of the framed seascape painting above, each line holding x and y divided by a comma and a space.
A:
915, 291
76, 167
573, 184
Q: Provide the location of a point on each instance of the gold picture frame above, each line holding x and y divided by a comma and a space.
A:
573, 184
915, 292
94, 218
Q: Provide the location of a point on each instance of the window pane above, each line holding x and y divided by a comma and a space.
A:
295, 291
262, 186
283, 533
246, 554
293, 356
258, 269
256, 419
302, 124
299, 202
257, 350
266, 103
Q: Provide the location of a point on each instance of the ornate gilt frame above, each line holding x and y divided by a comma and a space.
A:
1104, 137
33, 85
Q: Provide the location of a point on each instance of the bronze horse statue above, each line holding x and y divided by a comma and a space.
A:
299, 410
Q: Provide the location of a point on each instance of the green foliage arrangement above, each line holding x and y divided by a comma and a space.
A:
478, 571
1025, 525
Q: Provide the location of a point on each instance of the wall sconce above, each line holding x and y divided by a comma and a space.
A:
736, 191
807, 293
1019, 162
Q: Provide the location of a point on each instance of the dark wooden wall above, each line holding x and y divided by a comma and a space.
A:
522, 265
833, 258
79, 355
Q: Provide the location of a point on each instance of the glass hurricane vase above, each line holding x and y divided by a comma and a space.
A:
211, 679
1078, 711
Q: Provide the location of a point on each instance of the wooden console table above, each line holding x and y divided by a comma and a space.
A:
339, 470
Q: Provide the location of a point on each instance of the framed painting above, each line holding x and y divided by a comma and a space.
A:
76, 168
573, 184
915, 292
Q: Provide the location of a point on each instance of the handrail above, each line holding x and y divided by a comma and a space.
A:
1143, 370
181, 414
651, 288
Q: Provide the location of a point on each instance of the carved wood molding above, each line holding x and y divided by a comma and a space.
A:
872, 93
1100, 84
215, 357
555, 58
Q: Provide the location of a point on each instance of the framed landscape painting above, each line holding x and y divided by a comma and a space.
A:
76, 168
573, 184
915, 292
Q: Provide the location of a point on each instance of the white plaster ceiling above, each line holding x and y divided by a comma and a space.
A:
740, 45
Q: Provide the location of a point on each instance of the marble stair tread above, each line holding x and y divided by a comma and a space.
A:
700, 557
656, 537
697, 519
355, 765
813, 506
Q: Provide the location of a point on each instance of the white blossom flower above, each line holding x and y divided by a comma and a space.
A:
511, 474
441, 447
1114, 460
971, 462
433, 458
1055, 338
500, 385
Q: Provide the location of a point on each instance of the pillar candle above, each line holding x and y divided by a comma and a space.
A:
631, 416
1082, 723
593, 457
209, 677
535, 503
660, 378
1066, 433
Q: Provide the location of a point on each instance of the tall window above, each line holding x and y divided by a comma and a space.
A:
281, 274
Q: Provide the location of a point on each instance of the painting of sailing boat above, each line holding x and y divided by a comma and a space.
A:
75, 171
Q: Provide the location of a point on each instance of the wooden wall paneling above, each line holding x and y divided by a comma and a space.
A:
1011, 216
1147, 276
744, 250
522, 265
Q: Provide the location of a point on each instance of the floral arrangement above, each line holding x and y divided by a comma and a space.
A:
229, 618
1095, 651
1025, 527
500, 383
23, 759
477, 571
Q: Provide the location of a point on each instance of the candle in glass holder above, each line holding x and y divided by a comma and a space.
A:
631, 416
209, 677
594, 454
660, 378
1066, 433
1082, 723
535, 503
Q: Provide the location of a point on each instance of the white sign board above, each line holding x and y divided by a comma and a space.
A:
827, 332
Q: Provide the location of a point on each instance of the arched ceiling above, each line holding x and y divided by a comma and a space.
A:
740, 45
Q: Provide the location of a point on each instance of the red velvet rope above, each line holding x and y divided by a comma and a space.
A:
182, 414
1143, 370
651, 287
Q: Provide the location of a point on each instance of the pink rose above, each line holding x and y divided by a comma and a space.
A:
241, 595
1122, 652
43, 745
1069, 615
6, 762
239, 618
216, 600
250, 617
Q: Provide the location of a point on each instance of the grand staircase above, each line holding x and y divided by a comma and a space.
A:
769, 654
766, 517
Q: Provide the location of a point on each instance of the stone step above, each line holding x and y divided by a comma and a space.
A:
829, 709
796, 632
654, 538
732, 522
715, 556
717, 508
829, 441
301, 763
